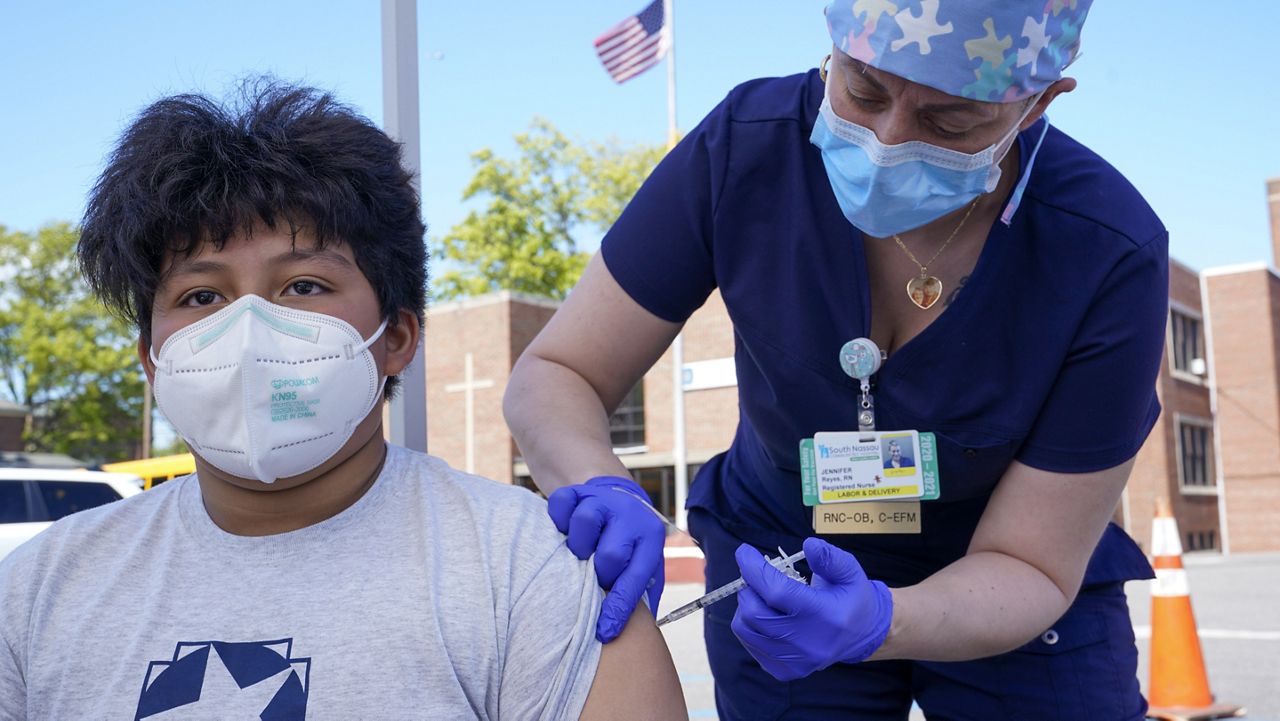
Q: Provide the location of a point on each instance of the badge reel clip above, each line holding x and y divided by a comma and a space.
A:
860, 358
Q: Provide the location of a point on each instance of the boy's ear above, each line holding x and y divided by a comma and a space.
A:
144, 355
402, 342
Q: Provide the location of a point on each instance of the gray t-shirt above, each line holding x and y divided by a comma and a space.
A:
437, 595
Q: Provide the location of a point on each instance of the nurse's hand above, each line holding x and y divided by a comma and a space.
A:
792, 629
610, 516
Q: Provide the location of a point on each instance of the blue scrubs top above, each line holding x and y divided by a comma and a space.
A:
1049, 355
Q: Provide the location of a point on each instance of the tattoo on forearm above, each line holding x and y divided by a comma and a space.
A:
952, 298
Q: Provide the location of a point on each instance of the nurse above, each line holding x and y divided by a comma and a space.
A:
908, 251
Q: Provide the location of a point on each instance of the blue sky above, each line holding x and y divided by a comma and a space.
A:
1183, 101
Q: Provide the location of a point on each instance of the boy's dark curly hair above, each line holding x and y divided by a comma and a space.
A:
190, 170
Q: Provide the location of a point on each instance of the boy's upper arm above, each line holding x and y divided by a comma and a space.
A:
553, 667
551, 652
636, 679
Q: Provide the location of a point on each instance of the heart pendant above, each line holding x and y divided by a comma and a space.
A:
924, 291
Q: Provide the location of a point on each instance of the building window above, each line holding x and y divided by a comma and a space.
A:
1202, 540
1188, 343
659, 484
626, 427
1193, 454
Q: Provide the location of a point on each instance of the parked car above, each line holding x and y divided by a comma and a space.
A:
31, 498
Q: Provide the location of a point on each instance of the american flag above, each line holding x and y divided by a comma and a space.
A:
635, 44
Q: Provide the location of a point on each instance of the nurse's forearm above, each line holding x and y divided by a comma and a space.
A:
983, 604
559, 423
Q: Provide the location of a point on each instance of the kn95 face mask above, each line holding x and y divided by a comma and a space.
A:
263, 391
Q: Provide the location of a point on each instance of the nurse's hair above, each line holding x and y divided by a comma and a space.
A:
190, 170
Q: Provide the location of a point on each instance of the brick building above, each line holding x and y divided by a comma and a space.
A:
13, 420
471, 346
488, 334
1186, 423
1215, 451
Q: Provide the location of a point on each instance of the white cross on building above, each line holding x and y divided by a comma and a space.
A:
469, 385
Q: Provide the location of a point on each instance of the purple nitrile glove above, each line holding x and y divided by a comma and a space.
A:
624, 533
792, 629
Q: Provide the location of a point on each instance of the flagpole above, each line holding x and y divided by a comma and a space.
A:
679, 450
668, 13
408, 409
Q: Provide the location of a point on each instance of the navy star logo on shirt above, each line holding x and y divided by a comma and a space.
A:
217, 679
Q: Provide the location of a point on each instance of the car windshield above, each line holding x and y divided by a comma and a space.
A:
13, 502
62, 498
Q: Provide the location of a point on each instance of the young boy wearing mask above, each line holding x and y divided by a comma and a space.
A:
272, 258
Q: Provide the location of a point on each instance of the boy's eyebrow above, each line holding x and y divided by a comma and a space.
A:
198, 267
327, 257
193, 267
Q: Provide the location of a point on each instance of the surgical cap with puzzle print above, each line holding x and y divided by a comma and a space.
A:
990, 50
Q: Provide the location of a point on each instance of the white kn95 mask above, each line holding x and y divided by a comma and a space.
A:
266, 392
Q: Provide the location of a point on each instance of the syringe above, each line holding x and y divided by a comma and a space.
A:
783, 563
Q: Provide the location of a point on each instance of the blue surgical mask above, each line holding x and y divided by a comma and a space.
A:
888, 189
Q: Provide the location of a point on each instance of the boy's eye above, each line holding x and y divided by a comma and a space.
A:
304, 287
201, 298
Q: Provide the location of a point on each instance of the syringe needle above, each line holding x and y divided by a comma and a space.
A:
784, 563
667, 521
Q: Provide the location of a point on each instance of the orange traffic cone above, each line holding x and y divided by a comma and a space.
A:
1179, 689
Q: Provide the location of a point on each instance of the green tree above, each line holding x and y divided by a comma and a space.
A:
174, 447
538, 204
62, 354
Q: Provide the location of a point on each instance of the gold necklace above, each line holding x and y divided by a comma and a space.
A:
927, 289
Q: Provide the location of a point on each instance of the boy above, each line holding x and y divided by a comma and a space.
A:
272, 258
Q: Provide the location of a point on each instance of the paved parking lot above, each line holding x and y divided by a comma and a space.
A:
1237, 606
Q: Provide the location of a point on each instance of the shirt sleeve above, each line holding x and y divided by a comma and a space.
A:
14, 607
660, 249
552, 651
1103, 403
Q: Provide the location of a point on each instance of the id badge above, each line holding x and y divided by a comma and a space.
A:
853, 509
878, 466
